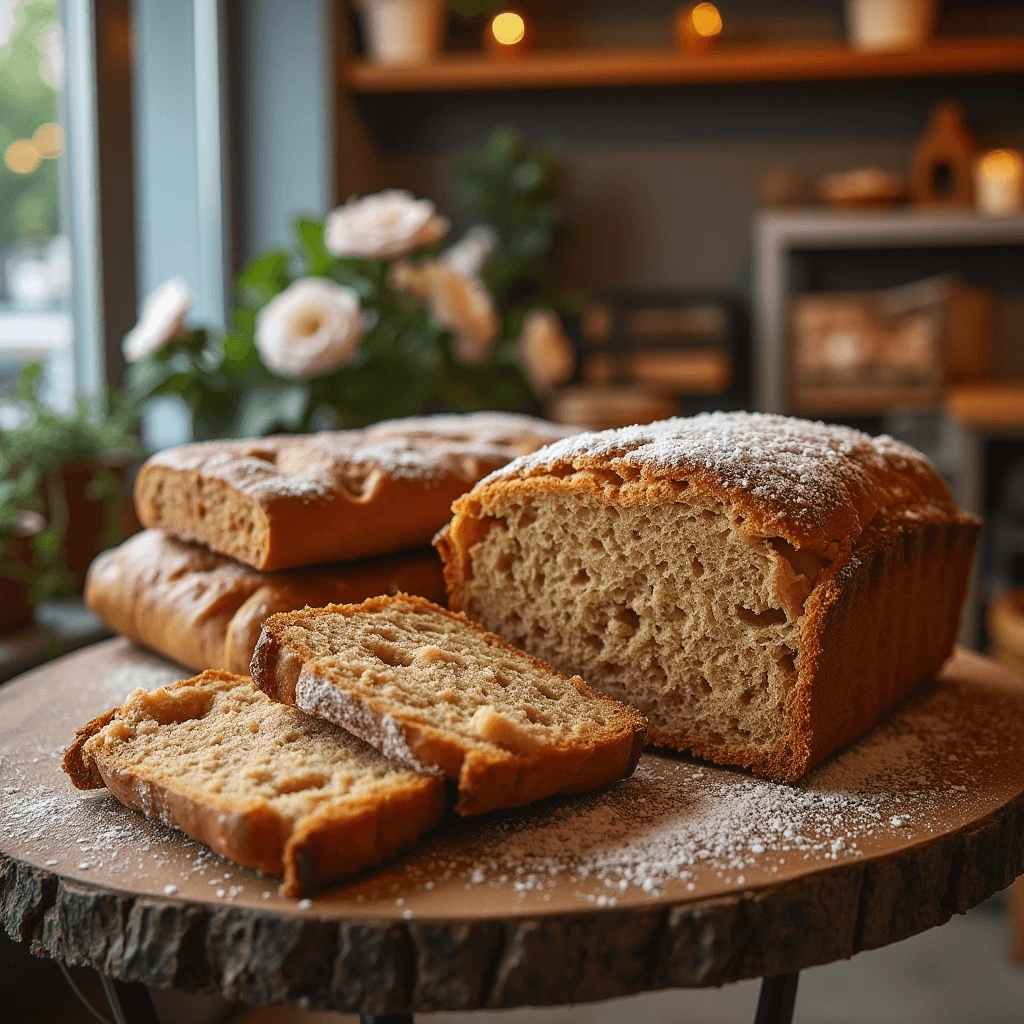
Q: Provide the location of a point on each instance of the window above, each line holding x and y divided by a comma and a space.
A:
35, 252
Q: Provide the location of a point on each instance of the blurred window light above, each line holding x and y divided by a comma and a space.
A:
508, 28
22, 156
49, 140
706, 20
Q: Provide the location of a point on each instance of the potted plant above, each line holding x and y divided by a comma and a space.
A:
19, 525
403, 31
70, 470
370, 316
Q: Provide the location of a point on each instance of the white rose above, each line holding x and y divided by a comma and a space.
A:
162, 320
458, 303
469, 254
312, 327
546, 351
385, 225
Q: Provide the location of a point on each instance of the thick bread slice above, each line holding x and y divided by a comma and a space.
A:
282, 502
204, 610
762, 588
259, 783
431, 689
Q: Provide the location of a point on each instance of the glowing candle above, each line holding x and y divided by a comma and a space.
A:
999, 182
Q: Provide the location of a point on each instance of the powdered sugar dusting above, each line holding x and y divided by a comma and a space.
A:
678, 820
320, 466
677, 829
807, 472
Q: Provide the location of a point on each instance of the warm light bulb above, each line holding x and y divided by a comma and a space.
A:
706, 20
22, 157
1001, 163
508, 28
49, 140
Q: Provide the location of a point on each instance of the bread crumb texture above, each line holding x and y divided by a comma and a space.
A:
254, 779
691, 567
433, 690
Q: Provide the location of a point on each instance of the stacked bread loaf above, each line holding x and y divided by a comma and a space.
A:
335, 760
239, 530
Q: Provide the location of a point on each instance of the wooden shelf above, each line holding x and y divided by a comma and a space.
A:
988, 405
618, 68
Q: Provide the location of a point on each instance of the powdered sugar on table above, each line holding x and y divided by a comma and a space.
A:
677, 829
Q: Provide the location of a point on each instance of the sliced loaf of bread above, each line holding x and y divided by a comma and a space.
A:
431, 689
260, 783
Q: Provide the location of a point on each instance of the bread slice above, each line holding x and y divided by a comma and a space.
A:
283, 502
431, 689
762, 588
204, 610
261, 784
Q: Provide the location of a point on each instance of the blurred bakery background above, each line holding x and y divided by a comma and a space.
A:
601, 211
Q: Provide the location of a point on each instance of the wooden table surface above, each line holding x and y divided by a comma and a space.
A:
685, 875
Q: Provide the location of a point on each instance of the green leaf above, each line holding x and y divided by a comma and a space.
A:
266, 410
264, 277
310, 234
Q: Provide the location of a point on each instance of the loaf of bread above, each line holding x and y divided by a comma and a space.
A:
440, 694
288, 501
762, 588
260, 783
205, 611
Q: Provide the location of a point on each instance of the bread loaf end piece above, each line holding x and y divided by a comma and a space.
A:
442, 695
289, 501
259, 783
763, 589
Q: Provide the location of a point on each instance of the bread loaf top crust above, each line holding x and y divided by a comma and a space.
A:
287, 501
807, 482
312, 466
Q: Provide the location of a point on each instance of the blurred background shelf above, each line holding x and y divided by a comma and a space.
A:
583, 69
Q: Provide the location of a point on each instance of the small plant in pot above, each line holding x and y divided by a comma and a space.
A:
67, 471
403, 31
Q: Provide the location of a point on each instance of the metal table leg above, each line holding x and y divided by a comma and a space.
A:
129, 1001
778, 997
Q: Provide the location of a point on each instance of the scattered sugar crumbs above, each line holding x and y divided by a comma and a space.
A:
677, 818
673, 822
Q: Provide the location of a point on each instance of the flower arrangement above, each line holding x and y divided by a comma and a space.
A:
370, 316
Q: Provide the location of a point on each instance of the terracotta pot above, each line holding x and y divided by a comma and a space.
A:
15, 603
403, 31
87, 524
890, 24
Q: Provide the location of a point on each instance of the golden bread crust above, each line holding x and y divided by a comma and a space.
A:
204, 610
338, 838
881, 617
489, 777
283, 502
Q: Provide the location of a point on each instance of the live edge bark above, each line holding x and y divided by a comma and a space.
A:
377, 967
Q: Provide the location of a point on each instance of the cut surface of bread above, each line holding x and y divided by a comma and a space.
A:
283, 502
258, 782
432, 690
762, 588
205, 610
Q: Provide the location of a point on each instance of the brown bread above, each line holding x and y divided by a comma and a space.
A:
260, 783
430, 689
762, 588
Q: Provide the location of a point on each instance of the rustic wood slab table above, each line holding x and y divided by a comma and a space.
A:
686, 875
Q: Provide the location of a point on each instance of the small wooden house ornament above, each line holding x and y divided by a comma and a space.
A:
941, 173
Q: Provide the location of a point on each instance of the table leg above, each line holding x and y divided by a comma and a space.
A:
385, 1018
129, 1001
777, 999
